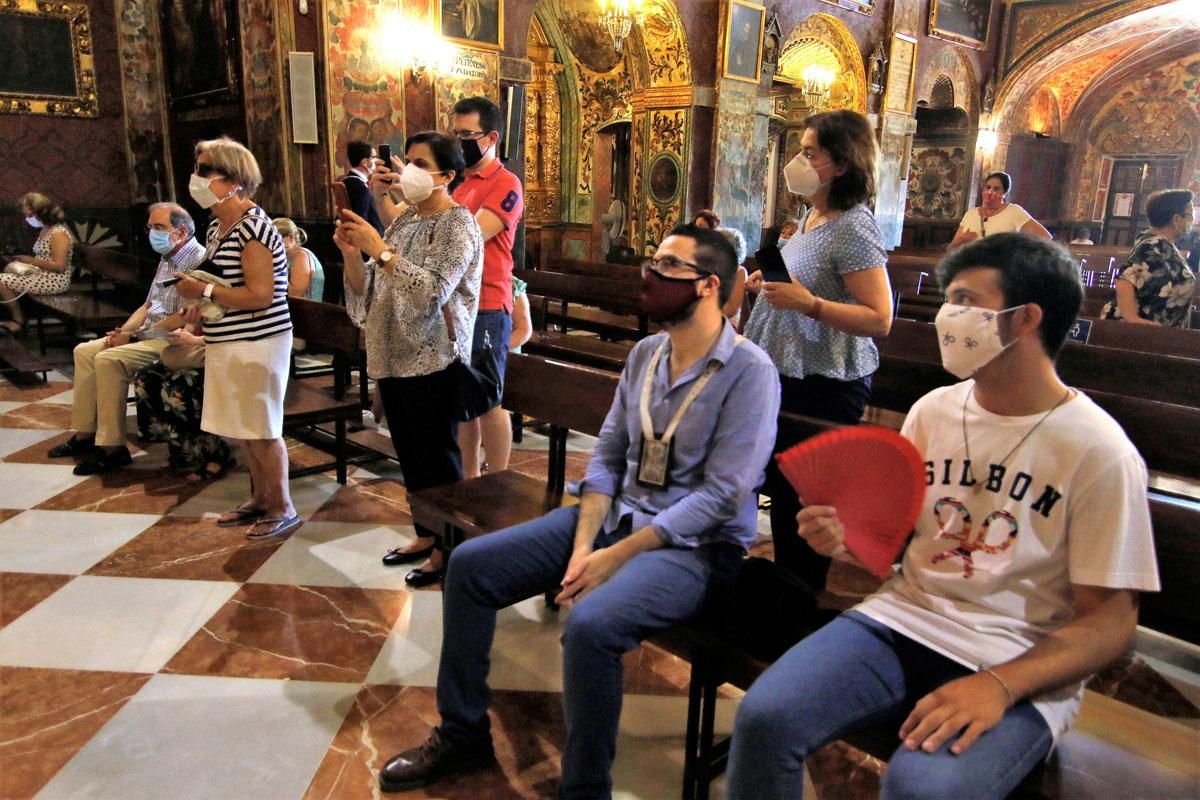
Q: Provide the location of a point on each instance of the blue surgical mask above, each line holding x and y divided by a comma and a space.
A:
783, 242
161, 242
34, 222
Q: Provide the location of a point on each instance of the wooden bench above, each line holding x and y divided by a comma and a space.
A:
606, 306
98, 309
312, 401
19, 364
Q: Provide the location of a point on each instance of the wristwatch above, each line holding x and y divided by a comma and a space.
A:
386, 257
208, 289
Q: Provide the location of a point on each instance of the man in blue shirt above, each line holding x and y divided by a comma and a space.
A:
662, 512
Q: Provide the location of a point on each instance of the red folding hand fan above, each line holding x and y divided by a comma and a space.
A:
873, 476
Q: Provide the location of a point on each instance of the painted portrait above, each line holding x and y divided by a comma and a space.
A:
200, 47
664, 179
961, 21
743, 40
475, 23
46, 62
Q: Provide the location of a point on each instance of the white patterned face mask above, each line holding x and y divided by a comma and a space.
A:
969, 338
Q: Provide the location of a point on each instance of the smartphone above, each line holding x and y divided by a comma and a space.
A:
341, 200
770, 262
170, 282
385, 155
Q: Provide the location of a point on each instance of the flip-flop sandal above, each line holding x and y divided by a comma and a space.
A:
241, 516
279, 526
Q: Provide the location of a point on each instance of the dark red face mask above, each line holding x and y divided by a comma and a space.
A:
665, 299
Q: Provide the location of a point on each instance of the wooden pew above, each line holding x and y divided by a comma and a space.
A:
311, 401
597, 269
1151, 396
609, 306
97, 310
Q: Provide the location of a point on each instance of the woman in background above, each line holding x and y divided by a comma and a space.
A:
1156, 285
48, 270
996, 215
306, 276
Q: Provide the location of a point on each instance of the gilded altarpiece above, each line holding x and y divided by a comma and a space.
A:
661, 133
543, 145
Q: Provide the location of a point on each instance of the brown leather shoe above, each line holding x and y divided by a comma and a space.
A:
432, 761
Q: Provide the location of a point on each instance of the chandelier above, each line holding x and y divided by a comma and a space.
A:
617, 18
818, 80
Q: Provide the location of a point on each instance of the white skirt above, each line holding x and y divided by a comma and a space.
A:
244, 387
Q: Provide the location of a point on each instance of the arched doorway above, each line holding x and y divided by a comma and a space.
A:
824, 41
597, 121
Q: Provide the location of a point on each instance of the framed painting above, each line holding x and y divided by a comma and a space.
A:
201, 52
861, 6
963, 22
474, 23
666, 172
743, 40
46, 65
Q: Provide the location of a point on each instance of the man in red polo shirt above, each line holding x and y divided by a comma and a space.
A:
496, 198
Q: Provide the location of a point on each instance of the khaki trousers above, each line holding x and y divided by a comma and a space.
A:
102, 376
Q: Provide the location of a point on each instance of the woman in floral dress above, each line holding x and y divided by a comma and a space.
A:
1156, 286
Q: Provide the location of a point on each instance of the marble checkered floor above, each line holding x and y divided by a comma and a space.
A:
147, 653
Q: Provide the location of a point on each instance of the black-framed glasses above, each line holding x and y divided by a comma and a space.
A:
666, 265
468, 136
207, 170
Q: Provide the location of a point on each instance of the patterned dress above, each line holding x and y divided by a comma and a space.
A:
1162, 281
44, 281
168, 410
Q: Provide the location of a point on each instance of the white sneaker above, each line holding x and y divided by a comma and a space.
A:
369, 421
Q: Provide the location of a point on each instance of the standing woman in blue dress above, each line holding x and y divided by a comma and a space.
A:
818, 326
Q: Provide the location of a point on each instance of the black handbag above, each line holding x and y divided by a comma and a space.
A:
476, 382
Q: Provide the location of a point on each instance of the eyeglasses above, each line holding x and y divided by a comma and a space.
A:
670, 264
468, 136
206, 170
160, 228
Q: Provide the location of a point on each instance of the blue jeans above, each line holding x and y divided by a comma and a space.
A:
856, 673
651, 592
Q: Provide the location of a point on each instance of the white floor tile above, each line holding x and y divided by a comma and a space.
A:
11, 405
206, 737
64, 399
338, 554
13, 440
65, 542
308, 494
526, 655
32, 484
120, 624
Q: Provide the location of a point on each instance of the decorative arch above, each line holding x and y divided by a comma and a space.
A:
942, 93
826, 40
950, 63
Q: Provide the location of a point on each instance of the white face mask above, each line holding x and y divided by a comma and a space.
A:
34, 222
416, 184
969, 338
201, 191
802, 177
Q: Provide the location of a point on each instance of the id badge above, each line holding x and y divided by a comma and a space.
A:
654, 463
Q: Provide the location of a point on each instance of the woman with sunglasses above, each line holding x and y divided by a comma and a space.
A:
996, 215
429, 258
248, 350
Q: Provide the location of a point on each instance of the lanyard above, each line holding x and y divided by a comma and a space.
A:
647, 386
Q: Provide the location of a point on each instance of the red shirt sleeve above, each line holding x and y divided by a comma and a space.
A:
506, 199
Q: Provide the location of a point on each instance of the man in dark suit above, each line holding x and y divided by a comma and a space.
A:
362, 160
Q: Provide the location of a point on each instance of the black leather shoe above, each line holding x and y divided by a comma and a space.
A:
102, 460
419, 578
72, 447
432, 761
394, 558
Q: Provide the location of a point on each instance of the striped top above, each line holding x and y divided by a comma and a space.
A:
225, 255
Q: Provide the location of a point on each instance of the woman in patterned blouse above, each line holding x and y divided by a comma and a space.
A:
430, 257
817, 326
1156, 285
50, 264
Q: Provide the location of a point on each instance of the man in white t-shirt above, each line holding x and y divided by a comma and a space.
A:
1021, 577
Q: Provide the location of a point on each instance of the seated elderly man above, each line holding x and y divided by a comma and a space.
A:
667, 505
104, 367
